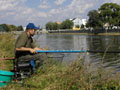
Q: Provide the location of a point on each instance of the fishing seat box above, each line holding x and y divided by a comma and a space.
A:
22, 69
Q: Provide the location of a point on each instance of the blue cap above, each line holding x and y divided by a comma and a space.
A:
31, 26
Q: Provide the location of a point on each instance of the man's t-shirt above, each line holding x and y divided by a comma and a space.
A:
24, 41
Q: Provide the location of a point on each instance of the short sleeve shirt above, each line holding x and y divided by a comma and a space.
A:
24, 41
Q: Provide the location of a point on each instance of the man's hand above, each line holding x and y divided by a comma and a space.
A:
39, 48
33, 51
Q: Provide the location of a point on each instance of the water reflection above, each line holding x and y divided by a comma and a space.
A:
103, 43
78, 42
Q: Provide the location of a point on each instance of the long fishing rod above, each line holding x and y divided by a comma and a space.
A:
67, 51
61, 51
76, 51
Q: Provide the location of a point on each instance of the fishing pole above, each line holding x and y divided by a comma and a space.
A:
61, 51
67, 51
76, 51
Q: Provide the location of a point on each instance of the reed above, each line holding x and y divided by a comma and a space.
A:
6, 50
76, 76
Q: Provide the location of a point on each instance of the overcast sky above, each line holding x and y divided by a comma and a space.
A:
21, 12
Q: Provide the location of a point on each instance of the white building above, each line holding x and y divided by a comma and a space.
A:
24, 28
84, 21
78, 22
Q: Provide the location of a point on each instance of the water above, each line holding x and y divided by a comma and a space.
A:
86, 42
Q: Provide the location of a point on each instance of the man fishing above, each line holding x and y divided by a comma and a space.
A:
25, 47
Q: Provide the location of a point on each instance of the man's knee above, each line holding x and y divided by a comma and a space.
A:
40, 56
25, 58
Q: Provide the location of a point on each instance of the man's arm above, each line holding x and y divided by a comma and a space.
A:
26, 49
37, 48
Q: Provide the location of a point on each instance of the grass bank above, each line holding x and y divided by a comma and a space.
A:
54, 76
6, 50
76, 76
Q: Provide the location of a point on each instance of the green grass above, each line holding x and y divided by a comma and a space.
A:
7, 42
55, 76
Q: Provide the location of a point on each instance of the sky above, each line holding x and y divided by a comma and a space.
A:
21, 12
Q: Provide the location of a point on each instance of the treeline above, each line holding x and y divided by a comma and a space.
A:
107, 15
7, 28
67, 24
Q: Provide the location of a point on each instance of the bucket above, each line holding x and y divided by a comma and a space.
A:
5, 77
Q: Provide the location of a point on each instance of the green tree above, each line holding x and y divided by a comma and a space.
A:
110, 13
67, 24
52, 26
56, 26
20, 28
4, 27
49, 25
12, 27
94, 20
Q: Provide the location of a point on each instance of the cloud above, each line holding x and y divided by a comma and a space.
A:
59, 2
80, 7
44, 5
5, 4
74, 9
14, 11
10, 4
18, 12
112, 1
9, 8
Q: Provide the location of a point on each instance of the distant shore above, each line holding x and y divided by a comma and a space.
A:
79, 32
89, 33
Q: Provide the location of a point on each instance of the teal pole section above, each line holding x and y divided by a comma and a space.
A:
61, 51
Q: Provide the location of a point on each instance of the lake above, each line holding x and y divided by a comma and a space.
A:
85, 42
